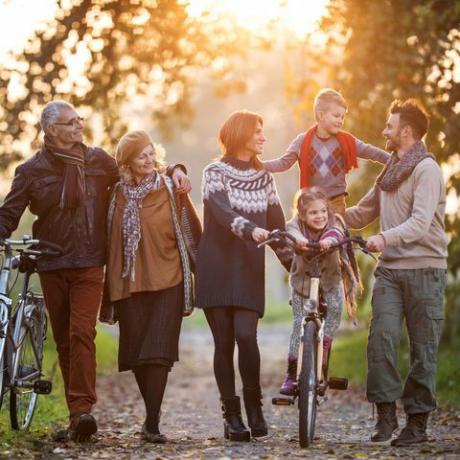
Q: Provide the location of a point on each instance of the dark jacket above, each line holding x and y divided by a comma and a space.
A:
80, 231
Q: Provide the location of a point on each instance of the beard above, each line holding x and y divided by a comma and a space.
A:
393, 143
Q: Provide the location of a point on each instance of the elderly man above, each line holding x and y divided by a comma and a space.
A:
66, 185
409, 197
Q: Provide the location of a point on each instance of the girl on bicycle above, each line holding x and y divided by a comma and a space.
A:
314, 221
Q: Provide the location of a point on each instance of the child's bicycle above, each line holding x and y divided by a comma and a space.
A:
312, 377
23, 326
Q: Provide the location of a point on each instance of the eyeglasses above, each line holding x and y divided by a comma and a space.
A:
72, 122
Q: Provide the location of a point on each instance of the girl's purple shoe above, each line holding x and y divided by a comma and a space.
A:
289, 385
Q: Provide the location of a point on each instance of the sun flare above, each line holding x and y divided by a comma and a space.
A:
297, 16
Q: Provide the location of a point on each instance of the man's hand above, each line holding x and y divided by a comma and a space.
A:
181, 181
259, 235
376, 243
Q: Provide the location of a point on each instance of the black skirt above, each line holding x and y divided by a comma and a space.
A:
150, 325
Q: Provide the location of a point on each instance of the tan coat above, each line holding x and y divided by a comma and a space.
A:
158, 264
330, 265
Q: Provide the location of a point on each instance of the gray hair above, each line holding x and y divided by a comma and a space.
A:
51, 113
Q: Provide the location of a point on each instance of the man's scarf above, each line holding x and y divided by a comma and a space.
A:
73, 188
347, 143
398, 170
134, 194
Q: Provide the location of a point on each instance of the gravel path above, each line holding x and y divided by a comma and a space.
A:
191, 417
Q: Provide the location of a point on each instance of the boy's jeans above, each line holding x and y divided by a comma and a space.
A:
417, 296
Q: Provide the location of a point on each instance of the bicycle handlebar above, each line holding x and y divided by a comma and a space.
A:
45, 248
280, 235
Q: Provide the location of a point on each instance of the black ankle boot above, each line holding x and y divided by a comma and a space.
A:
234, 428
253, 406
387, 422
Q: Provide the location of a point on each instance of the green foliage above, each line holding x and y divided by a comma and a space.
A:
348, 360
100, 55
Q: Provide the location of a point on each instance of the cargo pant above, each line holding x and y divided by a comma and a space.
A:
417, 296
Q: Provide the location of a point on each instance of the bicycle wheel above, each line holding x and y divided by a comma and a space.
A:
307, 386
2, 370
27, 364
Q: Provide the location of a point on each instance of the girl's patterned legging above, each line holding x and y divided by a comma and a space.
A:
334, 299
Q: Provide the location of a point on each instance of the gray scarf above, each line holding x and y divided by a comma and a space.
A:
397, 170
134, 194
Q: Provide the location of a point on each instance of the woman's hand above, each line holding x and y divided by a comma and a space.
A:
259, 235
181, 181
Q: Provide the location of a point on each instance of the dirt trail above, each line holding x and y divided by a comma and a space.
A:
191, 417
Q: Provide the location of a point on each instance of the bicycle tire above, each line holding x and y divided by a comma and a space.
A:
307, 386
23, 401
2, 370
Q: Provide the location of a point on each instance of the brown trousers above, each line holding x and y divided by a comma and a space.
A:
73, 297
339, 204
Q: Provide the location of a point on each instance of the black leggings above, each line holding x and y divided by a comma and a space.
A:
151, 380
230, 325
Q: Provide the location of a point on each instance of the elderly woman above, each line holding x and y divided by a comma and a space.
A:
148, 272
241, 205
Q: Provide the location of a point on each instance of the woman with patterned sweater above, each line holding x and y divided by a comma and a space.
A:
241, 206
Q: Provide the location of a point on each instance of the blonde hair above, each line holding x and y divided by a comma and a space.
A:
325, 98
305, 196
160, 165
236, 131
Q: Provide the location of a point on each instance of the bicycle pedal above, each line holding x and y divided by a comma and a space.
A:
336, 383
43, 387
282, 401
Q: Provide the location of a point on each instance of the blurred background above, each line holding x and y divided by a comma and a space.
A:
178, 68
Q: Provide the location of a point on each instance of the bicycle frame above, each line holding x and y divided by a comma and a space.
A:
314, 315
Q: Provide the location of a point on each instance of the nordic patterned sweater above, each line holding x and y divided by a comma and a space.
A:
230, 268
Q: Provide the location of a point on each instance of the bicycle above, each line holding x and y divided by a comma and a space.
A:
312, 377
23, 326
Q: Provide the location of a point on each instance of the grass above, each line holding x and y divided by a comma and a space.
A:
51, 409
349, 360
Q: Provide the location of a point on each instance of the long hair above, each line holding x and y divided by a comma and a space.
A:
236, 131
303, 199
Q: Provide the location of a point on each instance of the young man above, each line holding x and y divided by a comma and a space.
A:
325, 153
409, 198
66, 185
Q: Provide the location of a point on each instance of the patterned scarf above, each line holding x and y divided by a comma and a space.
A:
398, 170
134, 194
74, 187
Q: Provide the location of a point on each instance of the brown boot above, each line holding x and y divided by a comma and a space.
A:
414, 432
386, 422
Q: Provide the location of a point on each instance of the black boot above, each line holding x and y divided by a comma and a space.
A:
414, 432
253, 406
234, 428
386, 422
